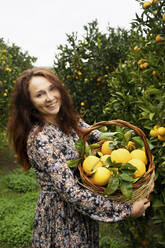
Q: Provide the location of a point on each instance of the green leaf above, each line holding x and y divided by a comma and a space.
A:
103, 129
114, 171
138, 141
113, 164
128, 167
108, 134
127, 136
73, 163
79, 144
113, 144
126, 189
99, 42
107, 163
150, 144
95, 145
151, 115
112, 186
136, 179
126, 177
87, 150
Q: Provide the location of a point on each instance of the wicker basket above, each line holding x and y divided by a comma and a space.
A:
142, 187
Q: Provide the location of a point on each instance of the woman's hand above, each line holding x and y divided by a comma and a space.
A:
139, 207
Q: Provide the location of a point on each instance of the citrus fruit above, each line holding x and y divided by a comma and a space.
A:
90, 163
105, 149
154, 132
120, 155
101, 176
131, 145
161, 138
163, 17
146, 4
156, 127
139, 154
141, 168
159, 38
161, 131
145, 65
136, 48
140, 62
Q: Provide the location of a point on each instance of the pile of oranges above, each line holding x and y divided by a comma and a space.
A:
159, 132
96, 166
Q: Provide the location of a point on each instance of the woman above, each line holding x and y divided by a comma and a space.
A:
43, 128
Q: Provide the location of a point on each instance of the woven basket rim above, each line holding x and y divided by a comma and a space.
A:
141, 183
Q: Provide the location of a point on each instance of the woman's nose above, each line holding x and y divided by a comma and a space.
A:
49, 97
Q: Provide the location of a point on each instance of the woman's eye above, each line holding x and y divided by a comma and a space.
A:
39, 94
53, 88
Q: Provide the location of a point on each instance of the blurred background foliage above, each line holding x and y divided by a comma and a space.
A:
12, 62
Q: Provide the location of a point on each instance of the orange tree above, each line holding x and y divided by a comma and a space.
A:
137, 95
12, 62
85, 67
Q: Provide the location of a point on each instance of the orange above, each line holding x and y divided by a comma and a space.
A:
101, 176
161, 131
120, 155
105, 149
141, 168
139, 154
90, 164
153, 133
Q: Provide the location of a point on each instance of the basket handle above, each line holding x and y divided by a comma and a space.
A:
122, 124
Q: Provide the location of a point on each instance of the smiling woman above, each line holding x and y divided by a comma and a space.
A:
44, 128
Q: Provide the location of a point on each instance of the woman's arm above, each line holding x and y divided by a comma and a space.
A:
94, 135
49, 157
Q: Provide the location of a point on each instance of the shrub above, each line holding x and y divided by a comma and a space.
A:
110, 236
137, 92
19, 181
85, 67
110, 242
12, 62
3, 140
16, 220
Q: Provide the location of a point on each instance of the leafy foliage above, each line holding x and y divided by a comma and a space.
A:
16, 220
137, 89
19, 181
12, 62
111, 237
17, 208
86, 65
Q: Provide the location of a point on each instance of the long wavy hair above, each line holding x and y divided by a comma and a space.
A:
23, 115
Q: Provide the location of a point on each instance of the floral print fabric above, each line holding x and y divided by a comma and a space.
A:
67, 214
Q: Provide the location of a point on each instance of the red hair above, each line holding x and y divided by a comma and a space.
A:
23, 115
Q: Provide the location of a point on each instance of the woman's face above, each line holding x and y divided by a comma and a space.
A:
45, 97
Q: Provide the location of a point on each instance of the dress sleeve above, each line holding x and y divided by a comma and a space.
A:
50, 158
94, 135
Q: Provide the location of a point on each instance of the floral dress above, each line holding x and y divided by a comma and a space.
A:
67, 214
